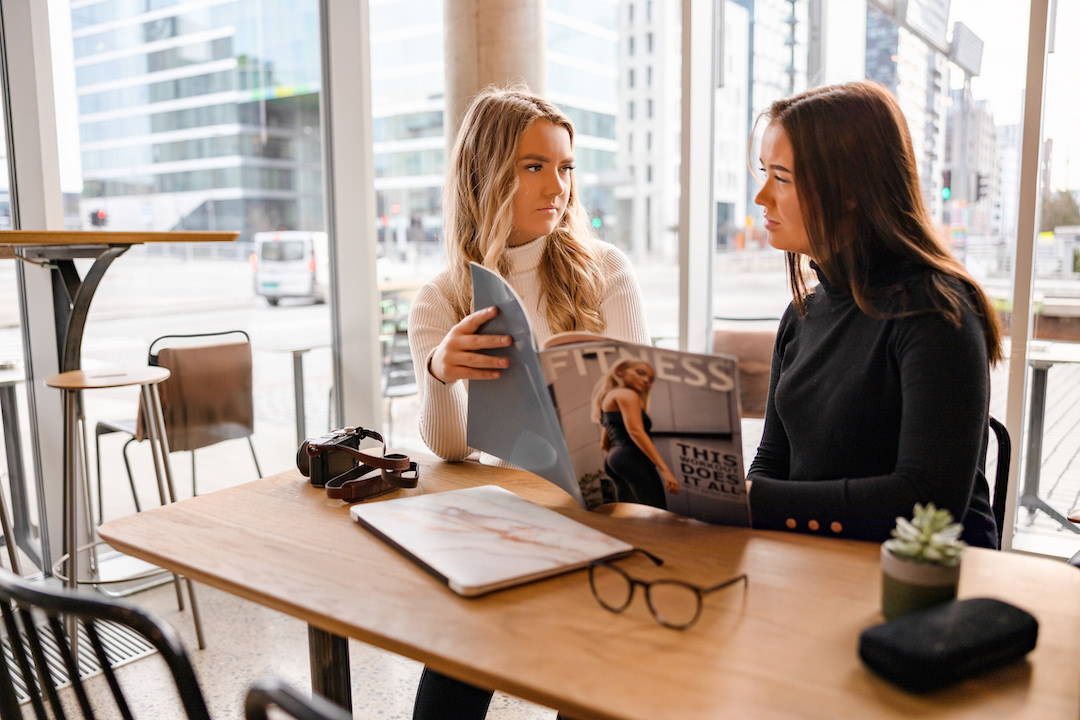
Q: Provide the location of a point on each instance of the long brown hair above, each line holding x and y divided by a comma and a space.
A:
859, 194
614, 379
478, 211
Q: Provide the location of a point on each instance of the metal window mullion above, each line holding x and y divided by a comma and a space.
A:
696, 206
1034, 100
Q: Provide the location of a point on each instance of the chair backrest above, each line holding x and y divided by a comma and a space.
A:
20, 600
754, 350
208, 398
271, 692
1001, 475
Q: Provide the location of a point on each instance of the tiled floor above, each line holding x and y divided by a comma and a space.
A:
245, 642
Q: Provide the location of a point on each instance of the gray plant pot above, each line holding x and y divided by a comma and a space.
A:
908, 585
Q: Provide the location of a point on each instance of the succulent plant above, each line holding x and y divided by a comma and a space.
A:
930, 536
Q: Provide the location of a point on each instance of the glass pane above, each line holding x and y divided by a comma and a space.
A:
616, 70
1050, 482
200, 116
963, 108
583, 59
16, 469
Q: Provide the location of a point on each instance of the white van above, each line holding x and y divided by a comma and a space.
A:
291, 264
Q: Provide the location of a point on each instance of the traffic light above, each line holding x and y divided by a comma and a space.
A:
982, 186
946, 184
98, 218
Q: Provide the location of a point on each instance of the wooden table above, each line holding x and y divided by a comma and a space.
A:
786, 646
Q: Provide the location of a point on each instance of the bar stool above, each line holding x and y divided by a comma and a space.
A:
71, 384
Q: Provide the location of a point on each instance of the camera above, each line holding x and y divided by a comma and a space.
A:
326, 457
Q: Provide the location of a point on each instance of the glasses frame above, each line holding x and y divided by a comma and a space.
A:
699, 591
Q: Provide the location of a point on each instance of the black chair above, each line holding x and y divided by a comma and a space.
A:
1001, 475
271, 692
33, 645
20, 601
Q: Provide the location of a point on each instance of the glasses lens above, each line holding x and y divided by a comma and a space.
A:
673, 603
610, 587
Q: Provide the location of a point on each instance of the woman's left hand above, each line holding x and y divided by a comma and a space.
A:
670, 483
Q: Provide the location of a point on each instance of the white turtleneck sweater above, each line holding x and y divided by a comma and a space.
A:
443, 407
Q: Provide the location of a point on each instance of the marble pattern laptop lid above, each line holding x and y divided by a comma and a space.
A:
485, 538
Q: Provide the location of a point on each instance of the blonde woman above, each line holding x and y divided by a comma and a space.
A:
619, 403
512, 205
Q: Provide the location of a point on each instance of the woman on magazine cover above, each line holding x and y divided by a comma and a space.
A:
512, 205
880, 375
619, 403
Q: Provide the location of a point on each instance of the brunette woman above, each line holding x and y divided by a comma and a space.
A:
880, 374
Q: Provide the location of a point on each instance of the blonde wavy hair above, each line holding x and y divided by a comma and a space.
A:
478, 211
613, 379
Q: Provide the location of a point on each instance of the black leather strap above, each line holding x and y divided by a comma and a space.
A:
364, 482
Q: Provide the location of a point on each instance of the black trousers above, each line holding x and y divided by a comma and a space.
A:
440, 697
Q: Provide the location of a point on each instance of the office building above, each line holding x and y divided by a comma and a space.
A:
918, 74
199, 115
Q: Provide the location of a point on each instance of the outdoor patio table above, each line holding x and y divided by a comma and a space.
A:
1041, 357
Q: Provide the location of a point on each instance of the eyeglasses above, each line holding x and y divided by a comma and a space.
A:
674, 603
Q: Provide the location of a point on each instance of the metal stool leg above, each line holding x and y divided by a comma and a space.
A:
158, 419
252, 446
71, 513
159, 473
9, 537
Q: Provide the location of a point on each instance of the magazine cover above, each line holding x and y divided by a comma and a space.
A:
686, 407
611, 421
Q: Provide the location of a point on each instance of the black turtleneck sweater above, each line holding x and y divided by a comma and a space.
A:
866, 417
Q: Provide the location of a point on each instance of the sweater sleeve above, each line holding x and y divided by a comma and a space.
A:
621, 308
443, 406
944, 385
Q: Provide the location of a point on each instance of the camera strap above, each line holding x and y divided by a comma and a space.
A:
375, 475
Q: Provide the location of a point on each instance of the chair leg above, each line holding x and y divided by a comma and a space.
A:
71, 511
193, 492
390, 421
159, 454
252, 446
9, 537
131, 478
158, 419
87, 505
97, 463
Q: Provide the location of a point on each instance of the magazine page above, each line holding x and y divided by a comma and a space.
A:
512, 418
689, 413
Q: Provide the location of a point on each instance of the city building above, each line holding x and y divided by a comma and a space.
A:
408, 86
918, 74
199, 115
971, 160
1005, 216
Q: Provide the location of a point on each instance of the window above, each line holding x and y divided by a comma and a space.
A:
648, 139
630, 77
630, 12
648, 75
630, 110
972, 138
649, 107
206, 117
648, 173
630, 46
1050, 477
630, 142
649, 42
